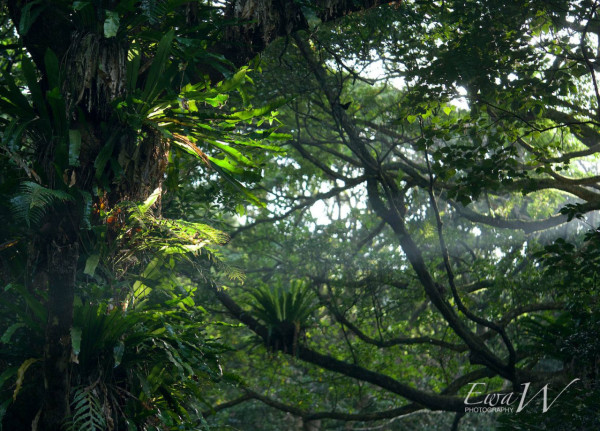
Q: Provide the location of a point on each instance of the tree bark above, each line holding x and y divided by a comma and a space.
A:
62, 268
259, 22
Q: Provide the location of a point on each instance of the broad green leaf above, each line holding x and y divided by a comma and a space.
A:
52, 69
133, 69
29, 13
90, 264
118, 351
140, 290
3, 408
280, 137
74, 147
34, 87
76, 340
151, 200
111, 24
218, 100
227, 165
234, 82
238, 156
158, 65
87, 209
184, 248
14, 100
104, 156
78, 5
251, 197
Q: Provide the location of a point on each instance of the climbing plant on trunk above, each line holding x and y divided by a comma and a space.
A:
94, 96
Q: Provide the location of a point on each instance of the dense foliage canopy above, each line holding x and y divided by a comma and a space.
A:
388, 213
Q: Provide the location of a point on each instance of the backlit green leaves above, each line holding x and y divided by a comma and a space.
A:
201, 118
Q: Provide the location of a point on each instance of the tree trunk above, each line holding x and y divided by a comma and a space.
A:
311, 425
62, 267
259, 22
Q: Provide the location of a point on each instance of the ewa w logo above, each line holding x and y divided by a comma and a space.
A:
503, 402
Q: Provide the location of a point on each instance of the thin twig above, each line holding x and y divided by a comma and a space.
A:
450, 274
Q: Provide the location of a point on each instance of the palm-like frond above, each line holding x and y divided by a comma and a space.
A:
88, 413
33, 202
153, 357
292, 304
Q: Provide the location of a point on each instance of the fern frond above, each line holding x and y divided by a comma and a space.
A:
33, 201
88, 413
154, 10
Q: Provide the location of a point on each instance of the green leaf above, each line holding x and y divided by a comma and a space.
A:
78, 5
257, 112
33, 85
15, 103
280, 137
238, 156
158, 65
251, 197
3, 408
29, 14
87, 209
90, 264
10, 331
118, 351
111, 24
74, 147
234, 82
133, 69
76, 340
227, 165
33, 201
218, 100
151, 200
104, 156
140, 289
183, 248
52, 69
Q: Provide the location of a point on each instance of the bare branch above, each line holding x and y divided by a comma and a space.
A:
309, 201
386, 343
426, 399
457, 299
226, 405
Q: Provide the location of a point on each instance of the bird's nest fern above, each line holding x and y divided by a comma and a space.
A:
285, 311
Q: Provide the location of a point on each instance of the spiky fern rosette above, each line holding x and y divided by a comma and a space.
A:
285, 310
